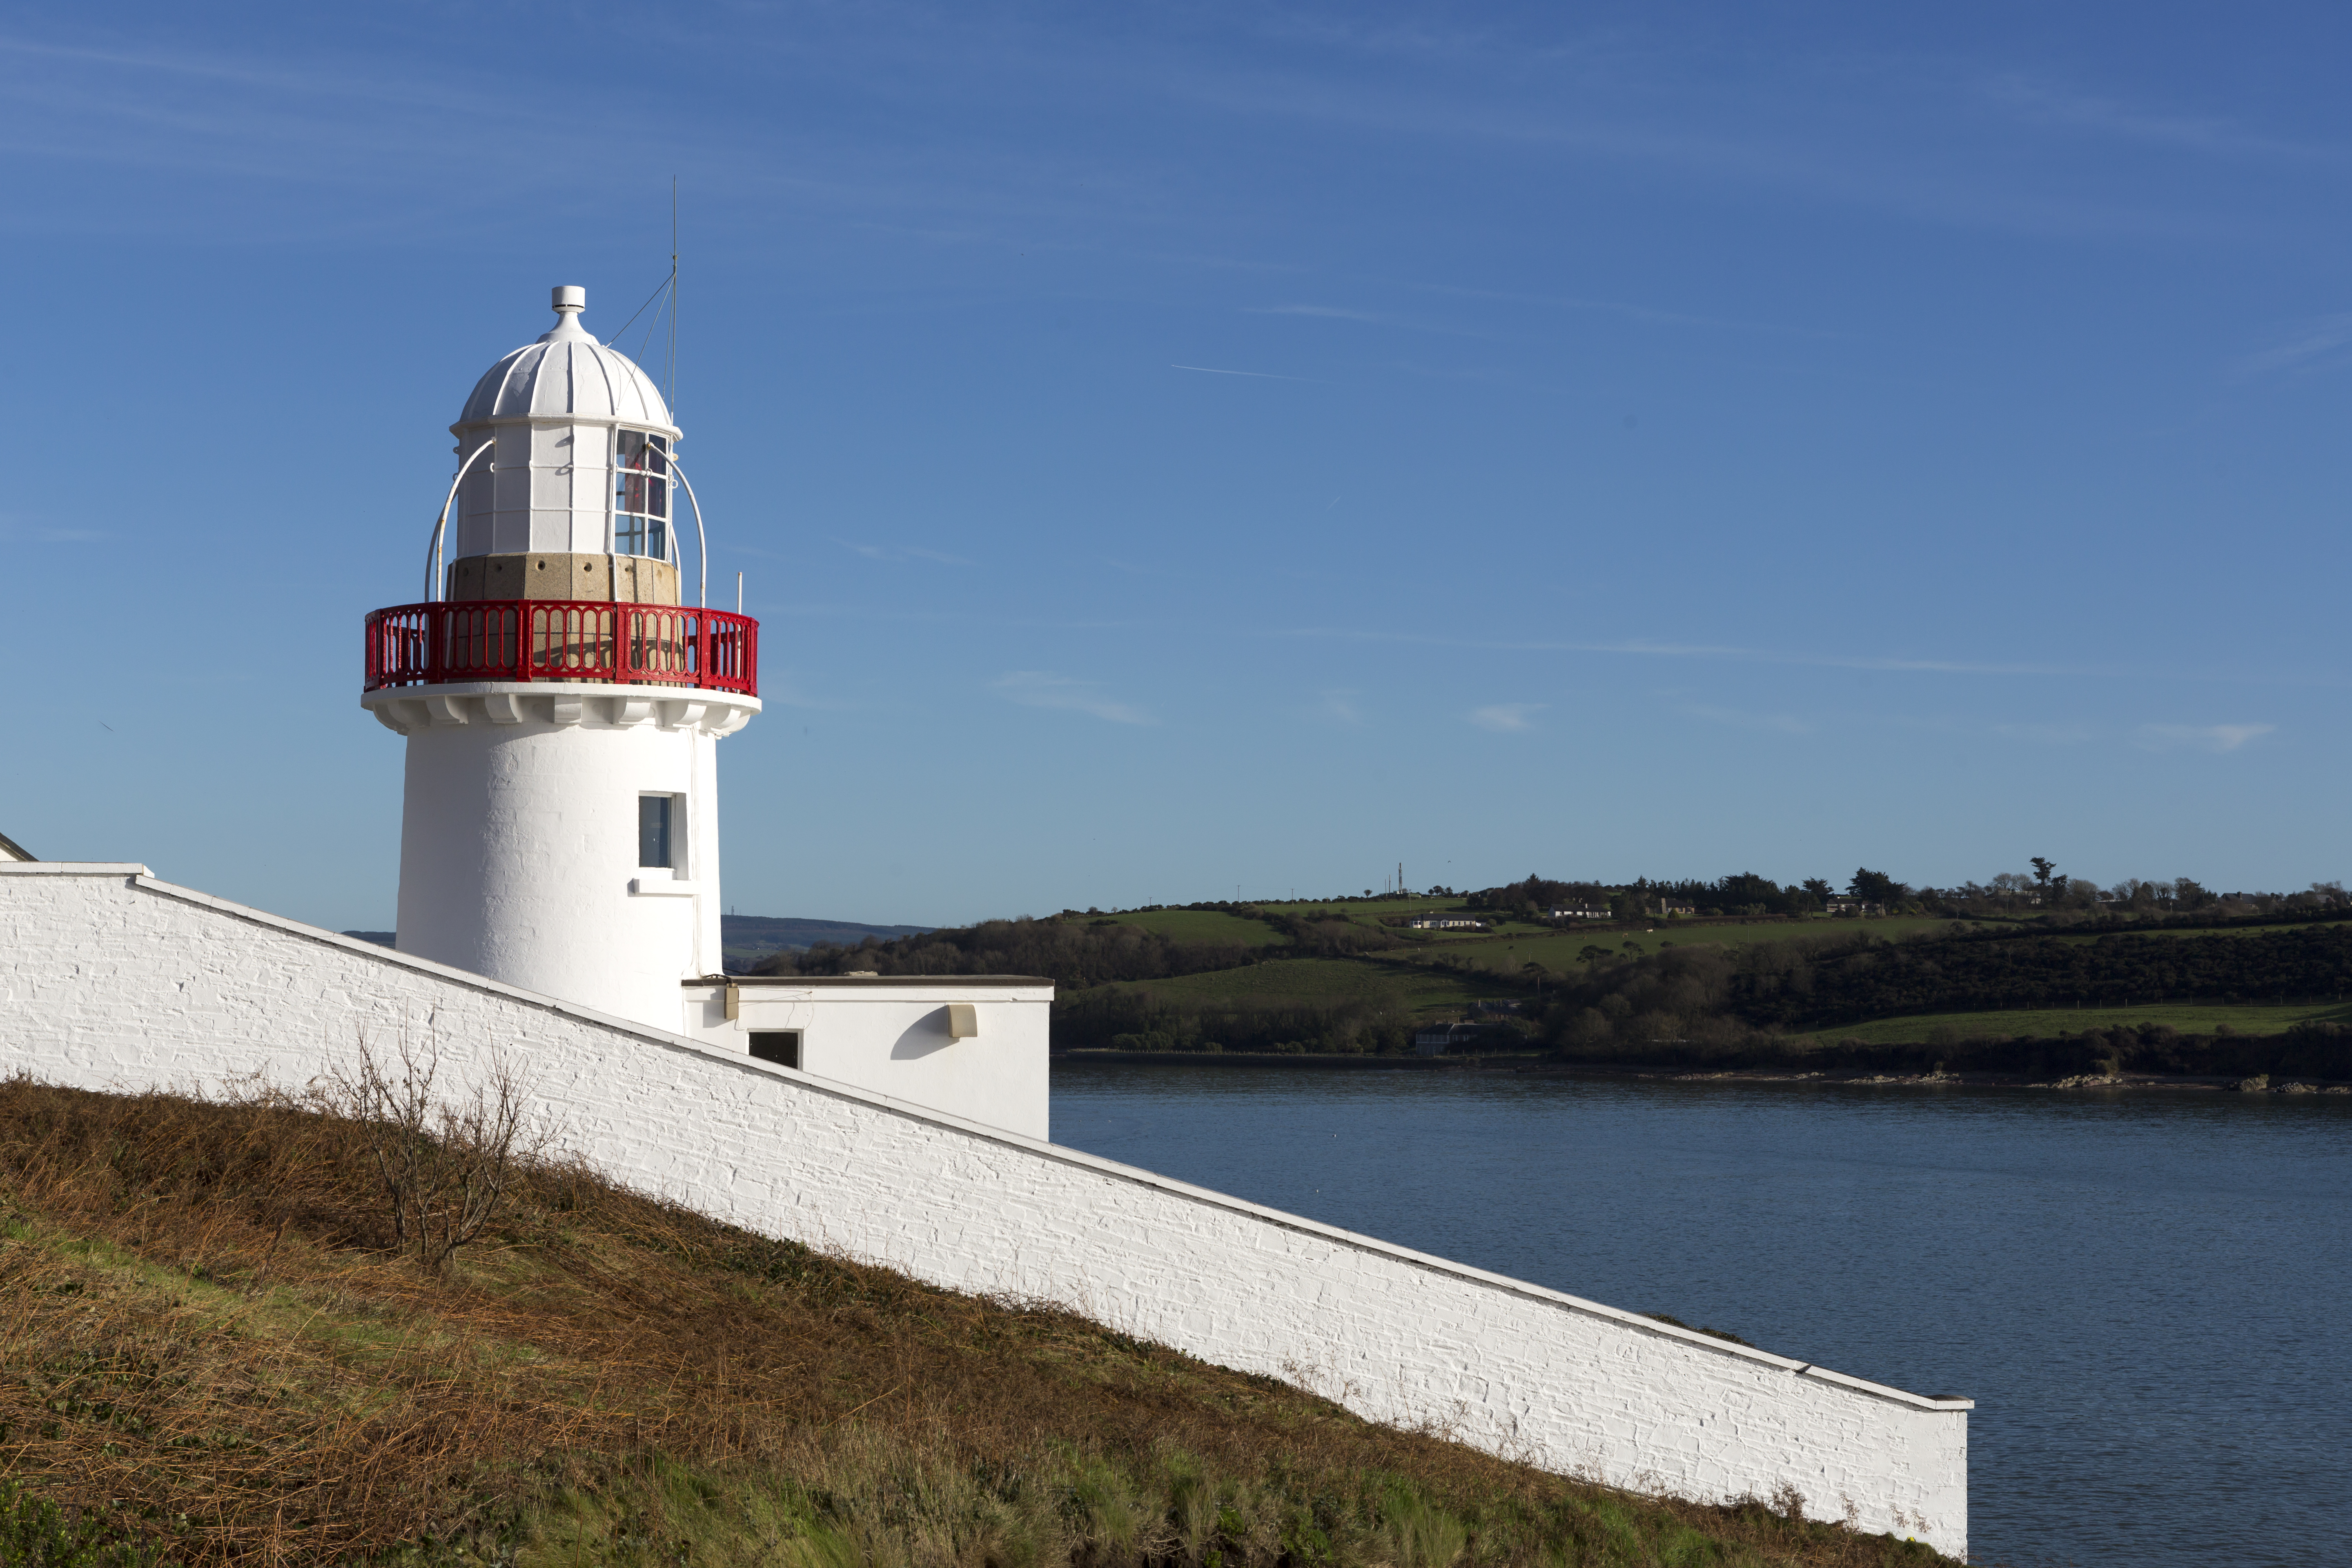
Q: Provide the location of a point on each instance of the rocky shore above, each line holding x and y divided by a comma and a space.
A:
2260, 1084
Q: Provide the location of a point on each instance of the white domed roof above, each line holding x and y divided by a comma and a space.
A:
567, 372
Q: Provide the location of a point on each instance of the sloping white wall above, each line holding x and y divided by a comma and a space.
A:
109, 979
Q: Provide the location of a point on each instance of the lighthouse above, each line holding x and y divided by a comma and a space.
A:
563, 687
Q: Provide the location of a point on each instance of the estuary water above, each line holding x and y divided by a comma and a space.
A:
2144, 1291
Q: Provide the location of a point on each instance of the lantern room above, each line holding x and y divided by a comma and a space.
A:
570, 489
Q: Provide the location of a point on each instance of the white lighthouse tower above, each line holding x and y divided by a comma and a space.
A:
562, 699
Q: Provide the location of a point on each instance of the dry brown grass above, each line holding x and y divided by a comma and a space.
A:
207, 1340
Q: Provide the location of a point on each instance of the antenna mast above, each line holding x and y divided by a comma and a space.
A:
671, 369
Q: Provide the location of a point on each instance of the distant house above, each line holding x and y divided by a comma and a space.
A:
1445, 923
1436, 1039
1856, 906
1672, 908
1579, 913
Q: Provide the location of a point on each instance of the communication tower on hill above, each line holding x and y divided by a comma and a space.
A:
562, 704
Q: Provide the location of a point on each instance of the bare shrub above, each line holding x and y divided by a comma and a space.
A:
446, 1167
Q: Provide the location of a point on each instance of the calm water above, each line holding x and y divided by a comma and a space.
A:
2145, 1294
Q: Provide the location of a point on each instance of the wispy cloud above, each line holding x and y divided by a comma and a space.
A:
1364, 318
2315, 343
1643, 649
2200, 737
2046, 734
1779, 724
1506, 718
1646, 111
1327, 312
901, 552
1631, 312
1253, 374
1340, 706
1043, 689
2047, 104
42, 533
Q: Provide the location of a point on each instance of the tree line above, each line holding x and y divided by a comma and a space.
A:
1073, 955
2045, 890
1724, 995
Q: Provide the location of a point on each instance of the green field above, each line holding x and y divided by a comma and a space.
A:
1330, 982
1370, 909
1215, 925
1204, 925
1373, 911
1410, 980
1557, 950
1414, 986
2045, 1023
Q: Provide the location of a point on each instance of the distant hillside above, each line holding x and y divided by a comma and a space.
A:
746, 939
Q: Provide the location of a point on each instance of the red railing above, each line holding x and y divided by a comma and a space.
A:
561, 639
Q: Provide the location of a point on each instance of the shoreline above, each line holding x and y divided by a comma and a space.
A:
1539, 1066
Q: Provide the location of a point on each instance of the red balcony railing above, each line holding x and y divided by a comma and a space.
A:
561, 639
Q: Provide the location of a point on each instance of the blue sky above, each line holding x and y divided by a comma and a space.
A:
1174, 450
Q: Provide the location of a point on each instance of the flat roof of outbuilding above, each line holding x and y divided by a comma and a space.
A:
946, 982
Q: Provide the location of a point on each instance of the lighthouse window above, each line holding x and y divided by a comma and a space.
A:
656, 819
641, 495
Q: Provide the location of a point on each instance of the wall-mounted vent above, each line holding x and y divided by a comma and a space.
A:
964, 1021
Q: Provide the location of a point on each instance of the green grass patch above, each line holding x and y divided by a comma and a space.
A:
1372, 909
1204, 926
1386, 984
1559, 951
1308, 981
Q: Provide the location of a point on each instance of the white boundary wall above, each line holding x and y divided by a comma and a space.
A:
112, 980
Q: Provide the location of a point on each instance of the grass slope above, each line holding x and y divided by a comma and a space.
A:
1407, 979
1204, 926
209, 1355
1559, 951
